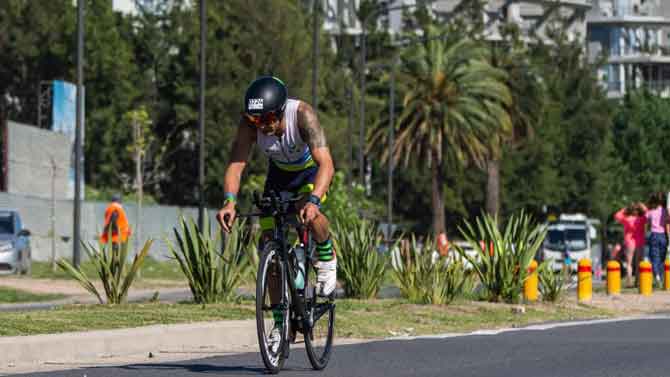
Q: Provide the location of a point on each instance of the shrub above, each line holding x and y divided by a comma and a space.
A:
212, 275
552, 282
110, 264
503, 257
424, 277
360, 266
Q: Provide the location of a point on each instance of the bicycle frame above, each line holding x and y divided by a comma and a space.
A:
279, 236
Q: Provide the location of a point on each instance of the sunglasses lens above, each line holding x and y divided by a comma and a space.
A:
262, 120
269, 118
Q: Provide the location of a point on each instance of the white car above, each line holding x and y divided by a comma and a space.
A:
467, 248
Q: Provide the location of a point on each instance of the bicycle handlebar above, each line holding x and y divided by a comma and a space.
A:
270, 205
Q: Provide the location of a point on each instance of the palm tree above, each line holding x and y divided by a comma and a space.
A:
454, 100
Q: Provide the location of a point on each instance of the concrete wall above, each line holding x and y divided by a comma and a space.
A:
157, 223
30, 152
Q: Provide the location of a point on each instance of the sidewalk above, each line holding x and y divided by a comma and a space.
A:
24, 354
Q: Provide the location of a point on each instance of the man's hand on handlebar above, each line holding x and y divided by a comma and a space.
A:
226, 216
308, 213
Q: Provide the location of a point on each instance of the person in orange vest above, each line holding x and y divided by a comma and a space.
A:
116, 221
443, 244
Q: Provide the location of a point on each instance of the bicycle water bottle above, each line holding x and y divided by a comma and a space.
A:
300, 275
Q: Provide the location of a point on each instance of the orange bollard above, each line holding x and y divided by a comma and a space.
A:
613, 278
584, 283
666, 280
646, 278
531, 283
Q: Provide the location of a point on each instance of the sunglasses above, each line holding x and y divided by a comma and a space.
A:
265, 119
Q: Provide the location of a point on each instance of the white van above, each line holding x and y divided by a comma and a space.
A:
568, 240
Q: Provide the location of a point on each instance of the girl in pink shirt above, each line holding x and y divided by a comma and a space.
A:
659, 225
633, 220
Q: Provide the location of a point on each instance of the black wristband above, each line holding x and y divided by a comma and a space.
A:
314, 200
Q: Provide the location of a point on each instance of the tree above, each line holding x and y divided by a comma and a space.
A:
641, 128
569, 164
525, 109
453, 101
35, 43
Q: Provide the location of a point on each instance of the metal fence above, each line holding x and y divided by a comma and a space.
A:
157, 223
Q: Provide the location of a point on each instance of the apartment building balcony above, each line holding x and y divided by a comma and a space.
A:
617, 89
609, 12
639, 58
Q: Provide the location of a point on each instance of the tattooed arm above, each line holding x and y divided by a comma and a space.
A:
312, 133
244, 141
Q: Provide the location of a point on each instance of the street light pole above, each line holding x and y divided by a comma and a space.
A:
361, 132
390, 155
350, 130
201, 136
76, 237
315, 52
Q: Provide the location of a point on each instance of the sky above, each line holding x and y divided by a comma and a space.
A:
125, 6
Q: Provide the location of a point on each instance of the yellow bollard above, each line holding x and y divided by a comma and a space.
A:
613, 278
666, 280
530, 285
646, 278
584, 284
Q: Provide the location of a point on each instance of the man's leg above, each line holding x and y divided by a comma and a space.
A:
327, 264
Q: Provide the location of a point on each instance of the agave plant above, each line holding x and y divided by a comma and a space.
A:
425, 277
114, 273
552, 282
212, 275
360, 266
503, 257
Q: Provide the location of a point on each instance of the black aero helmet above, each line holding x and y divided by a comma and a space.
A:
265, 94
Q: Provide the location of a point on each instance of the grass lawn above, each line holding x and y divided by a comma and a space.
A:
11, 296
354, 318
383, 318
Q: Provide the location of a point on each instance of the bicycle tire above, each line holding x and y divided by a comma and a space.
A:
269, 263
318, 344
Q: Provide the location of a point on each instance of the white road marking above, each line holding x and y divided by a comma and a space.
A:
540, 327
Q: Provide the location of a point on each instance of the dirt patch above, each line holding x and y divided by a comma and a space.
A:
73, 288
632, 303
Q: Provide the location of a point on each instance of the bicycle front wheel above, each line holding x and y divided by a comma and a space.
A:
319, 323
272, 335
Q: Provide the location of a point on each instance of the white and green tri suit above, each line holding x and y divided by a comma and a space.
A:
292, 168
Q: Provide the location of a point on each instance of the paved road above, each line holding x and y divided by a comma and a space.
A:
611, 349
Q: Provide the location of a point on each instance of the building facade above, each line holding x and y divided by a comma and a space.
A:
532, 16
633, 36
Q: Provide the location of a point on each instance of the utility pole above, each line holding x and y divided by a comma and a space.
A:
139, 181
201, 136
390, 155
315, 52
54, 168
76, 252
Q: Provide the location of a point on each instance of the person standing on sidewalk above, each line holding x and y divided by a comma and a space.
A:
116, 223
659, 224
634, 221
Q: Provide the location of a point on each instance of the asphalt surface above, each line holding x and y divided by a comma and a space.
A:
613, 349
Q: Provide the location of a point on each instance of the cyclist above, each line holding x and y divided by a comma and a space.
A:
289, 134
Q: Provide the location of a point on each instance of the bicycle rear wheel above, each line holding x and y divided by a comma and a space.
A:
270, 273
319, 324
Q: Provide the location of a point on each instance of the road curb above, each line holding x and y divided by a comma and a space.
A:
226, 336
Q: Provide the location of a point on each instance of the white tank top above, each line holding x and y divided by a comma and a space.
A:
289, 152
